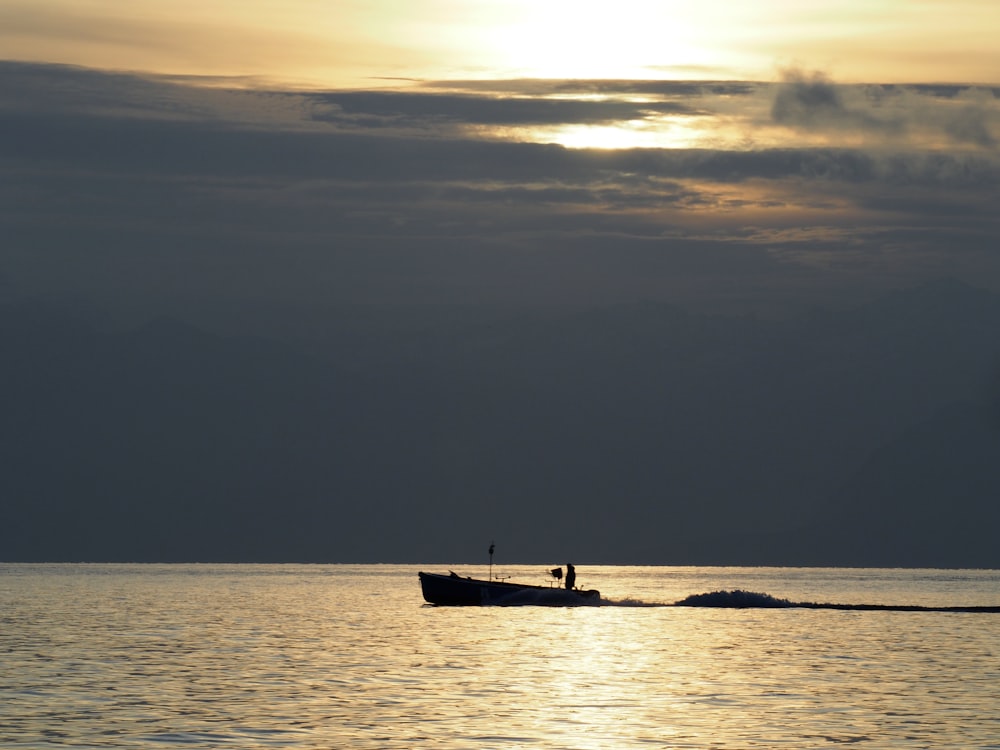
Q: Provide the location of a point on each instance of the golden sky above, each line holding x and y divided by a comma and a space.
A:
333, 43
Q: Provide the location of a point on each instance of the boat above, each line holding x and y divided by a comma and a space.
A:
452, 589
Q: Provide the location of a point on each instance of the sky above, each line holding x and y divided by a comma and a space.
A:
276, 169
351, 42
767, 155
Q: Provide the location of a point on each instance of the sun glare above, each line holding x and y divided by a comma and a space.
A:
590, 39
631, 134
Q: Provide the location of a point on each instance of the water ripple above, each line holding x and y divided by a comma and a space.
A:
345, 656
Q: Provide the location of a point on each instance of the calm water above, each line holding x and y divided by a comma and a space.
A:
350, 657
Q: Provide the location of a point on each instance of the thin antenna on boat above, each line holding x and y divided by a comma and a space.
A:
491, 560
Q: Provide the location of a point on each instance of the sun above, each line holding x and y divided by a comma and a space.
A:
589, 39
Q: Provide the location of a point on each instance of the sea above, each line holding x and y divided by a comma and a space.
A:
350, 656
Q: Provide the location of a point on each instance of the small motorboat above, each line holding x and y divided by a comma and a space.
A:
452, 589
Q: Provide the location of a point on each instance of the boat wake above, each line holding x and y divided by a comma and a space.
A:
735, 599
632, 603
738, 599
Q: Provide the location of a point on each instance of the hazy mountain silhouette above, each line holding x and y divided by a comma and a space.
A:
638, 433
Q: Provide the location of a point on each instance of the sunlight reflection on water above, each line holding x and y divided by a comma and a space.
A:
348, 656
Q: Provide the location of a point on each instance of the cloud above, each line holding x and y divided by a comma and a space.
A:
422, 108
153, 186
971, 125
595, 86
812, 102
898, 116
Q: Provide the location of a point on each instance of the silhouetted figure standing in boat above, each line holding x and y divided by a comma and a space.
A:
570, 577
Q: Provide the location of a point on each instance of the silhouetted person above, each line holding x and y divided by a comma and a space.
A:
570, 577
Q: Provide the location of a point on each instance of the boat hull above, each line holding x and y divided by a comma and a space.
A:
455, 591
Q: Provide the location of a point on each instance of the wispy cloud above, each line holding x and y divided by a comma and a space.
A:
814, 103
923, 115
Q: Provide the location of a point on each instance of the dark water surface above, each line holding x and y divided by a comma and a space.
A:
342, 656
